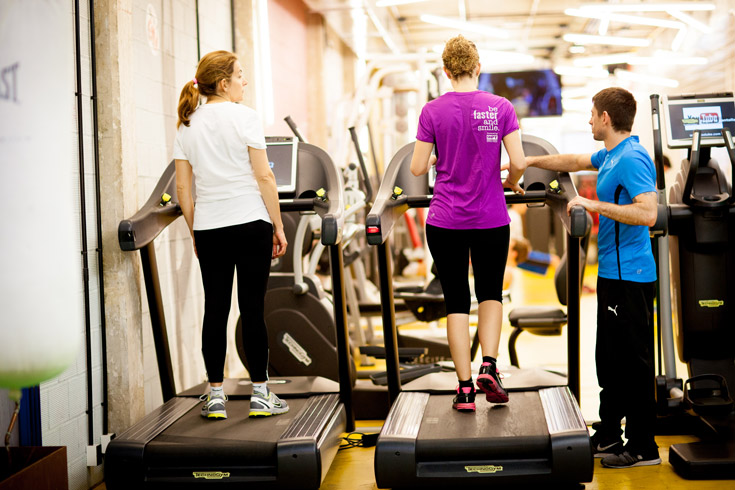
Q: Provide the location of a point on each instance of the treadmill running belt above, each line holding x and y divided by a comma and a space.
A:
515, 429
214, 441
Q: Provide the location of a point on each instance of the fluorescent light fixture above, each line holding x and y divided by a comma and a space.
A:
383, 32
576, 71
491, 58
691, 21
625, 19
577, 49
610, 59
648, 7
679, 39
604, 25
607, 40
646, 79
462, 25
660, 57
670, 57
391, 3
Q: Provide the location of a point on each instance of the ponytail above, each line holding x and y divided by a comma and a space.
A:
212, 68
188, 102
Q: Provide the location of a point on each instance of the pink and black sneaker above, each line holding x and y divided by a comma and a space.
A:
465, 399
488, 380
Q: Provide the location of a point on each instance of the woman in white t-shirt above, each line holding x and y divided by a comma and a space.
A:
235, 221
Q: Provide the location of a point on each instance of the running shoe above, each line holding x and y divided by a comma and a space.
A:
488, 380
265, 406
465, 399
631, 457
603, 445
214, 406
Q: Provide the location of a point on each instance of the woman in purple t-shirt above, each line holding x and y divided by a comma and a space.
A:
468, 215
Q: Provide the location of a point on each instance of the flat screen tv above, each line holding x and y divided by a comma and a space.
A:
533, 93
708, 113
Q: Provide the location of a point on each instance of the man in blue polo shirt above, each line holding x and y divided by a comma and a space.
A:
626, 279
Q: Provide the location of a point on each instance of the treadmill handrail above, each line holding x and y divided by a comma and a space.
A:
388, 207
149, 221
154, 216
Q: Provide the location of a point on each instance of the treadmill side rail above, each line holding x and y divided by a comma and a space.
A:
124, 466
571, 452
395, 451
308, 446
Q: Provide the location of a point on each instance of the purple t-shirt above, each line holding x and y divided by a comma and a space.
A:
467, 129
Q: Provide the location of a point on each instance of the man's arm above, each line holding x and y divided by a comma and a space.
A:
562, 163
642, 211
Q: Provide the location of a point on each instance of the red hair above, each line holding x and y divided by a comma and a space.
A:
212, 68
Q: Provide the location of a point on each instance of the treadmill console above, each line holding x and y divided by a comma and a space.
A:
282, 158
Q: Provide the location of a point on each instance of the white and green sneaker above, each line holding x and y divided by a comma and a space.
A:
265, 406
214, 406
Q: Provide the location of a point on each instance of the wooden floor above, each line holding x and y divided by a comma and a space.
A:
353, 468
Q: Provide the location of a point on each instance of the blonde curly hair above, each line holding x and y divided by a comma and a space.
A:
460, 57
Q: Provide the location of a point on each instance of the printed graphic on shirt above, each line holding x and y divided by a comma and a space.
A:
489, 124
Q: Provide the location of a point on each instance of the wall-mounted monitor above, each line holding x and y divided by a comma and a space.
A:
708, 113
282, 157
532, 93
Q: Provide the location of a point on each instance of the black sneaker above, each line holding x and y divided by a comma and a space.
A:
488, 380
465, 399
603, 445
631, 457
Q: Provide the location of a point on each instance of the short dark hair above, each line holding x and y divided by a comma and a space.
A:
619, 104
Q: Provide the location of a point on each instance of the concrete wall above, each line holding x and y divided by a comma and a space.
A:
149, 50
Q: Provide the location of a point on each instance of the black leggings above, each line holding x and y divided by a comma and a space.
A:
452, 250
247, 248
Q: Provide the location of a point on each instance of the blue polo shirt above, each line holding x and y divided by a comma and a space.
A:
624, 251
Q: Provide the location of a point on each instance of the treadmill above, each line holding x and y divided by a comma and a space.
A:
539, 437
174, 447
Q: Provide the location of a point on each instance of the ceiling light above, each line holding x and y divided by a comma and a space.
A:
383, 32
647, 79
610, 59
575, 71
462, 25
491, 58
700, 26
577, 49
674, 58
648, 7
607, 40
390, 3
626, 19
679, 39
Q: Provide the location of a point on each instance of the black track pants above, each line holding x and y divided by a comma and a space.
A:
624, 359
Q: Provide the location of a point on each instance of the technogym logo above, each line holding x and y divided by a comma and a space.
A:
211, 475
488, 468
711, 303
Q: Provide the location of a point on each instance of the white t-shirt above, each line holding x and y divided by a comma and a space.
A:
216, 145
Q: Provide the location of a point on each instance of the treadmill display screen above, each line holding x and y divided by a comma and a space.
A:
708, 114
282, 158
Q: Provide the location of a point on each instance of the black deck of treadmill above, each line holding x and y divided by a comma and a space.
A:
539, 437
174, 447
